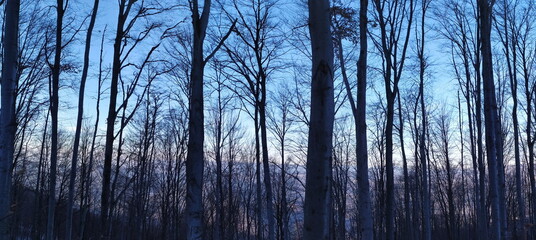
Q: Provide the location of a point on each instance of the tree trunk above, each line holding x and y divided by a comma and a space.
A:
219, 219
490, 115
54, 116
529, 94
365, 204
195, 157
407, 213
319, 150
258, 185
74, 161
124, 9
8, 121
265, 161
426, 212
510, 42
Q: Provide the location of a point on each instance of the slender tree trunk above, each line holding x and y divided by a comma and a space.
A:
319, 150
8, 121
407, 213
365, 204
74, 162
93, 140
219, 172
265, 162
393, 50
490, 115
464, 224
124, 9
284, 205
426, 212
54, 116
427, 228
258, 185
40, 181
511, 60
529, 94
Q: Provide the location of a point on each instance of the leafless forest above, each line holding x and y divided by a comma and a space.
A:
268, 119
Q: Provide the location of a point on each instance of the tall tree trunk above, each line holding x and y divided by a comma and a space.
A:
407, 213
195, 157
510, 42
285, 234
40, 181
490, 114
482, 232
8, 120
219, 219
393, 50
74, 161
124, 9
319, 149
60, 10
265, 160
93, 140
426, 212
365, 204
258, 185
529, 94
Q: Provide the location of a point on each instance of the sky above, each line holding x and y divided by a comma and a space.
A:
441, 86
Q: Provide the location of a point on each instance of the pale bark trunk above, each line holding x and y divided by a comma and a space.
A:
319, 150
8, 122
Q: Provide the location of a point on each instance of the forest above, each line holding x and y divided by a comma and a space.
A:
268, 119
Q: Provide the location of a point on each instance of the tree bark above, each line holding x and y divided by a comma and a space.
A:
195, 157
265, 159
8, 121
490, 115
319, 148
365, 204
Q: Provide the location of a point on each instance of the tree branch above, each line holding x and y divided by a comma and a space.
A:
220, 43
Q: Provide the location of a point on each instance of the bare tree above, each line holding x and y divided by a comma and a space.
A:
125, 42
358, 109
196, 131
509, 33
74, 162
280, 123
394, 19
54, 89
427, 229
